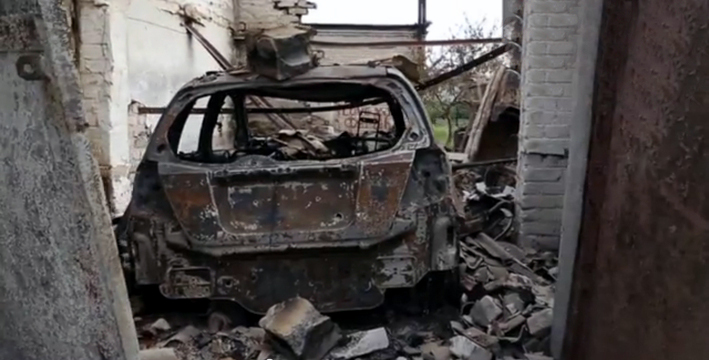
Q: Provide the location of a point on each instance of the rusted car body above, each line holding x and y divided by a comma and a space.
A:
258, 228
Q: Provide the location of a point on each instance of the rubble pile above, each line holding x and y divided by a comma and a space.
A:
505, 311
506, 307
321, 143
291, 330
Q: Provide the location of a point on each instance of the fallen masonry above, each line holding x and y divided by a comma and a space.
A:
508, 291
294, 328
505, 309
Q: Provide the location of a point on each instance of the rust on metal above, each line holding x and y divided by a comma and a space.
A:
639, 289
259, 225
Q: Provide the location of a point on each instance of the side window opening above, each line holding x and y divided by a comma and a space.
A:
189, 139
309, 123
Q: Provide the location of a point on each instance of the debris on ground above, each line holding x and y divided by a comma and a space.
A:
466, 349
297, 330
159, 326
505, 308
508, 290
361, 343
157, 354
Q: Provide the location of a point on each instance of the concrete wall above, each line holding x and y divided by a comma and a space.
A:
548, 64
62, 292
263, 14
359, 33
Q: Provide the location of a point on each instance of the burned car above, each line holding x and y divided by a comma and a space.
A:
321, 194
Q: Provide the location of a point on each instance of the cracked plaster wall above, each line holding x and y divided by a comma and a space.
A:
131, 53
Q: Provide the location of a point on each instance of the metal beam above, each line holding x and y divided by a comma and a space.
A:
495, 53
225, 64
412, 43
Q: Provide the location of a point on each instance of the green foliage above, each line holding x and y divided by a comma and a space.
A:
458, 97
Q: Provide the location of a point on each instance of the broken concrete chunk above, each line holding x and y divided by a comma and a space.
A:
514, 281
480, 337
157, 354
511, 323
254, 334
544, 295
362, 343
485, 311
161, 325
537, 357
435, 351
540, 322
554, 272
457, 327
296, 329
498, 272
482, 275
463, 348
513, 303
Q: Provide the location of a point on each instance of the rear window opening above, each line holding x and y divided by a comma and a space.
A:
314, 122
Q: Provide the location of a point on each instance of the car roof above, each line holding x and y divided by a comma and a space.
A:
327, 72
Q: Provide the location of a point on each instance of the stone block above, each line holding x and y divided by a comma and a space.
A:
296, 329
465, 349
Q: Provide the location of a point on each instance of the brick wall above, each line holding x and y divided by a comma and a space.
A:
549, 58
101, 55
131, 53
263, 14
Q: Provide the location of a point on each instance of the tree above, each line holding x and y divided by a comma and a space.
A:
459, 96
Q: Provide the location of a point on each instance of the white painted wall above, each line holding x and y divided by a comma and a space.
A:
132, 53
345, 55
162, 56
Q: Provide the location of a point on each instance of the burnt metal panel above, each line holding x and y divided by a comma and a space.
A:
259, 231
351, 203
640, 288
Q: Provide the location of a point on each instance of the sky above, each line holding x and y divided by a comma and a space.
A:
446, 15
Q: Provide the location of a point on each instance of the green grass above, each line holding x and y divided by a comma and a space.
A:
440, 132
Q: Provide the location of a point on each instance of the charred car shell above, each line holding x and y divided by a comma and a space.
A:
338, 232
